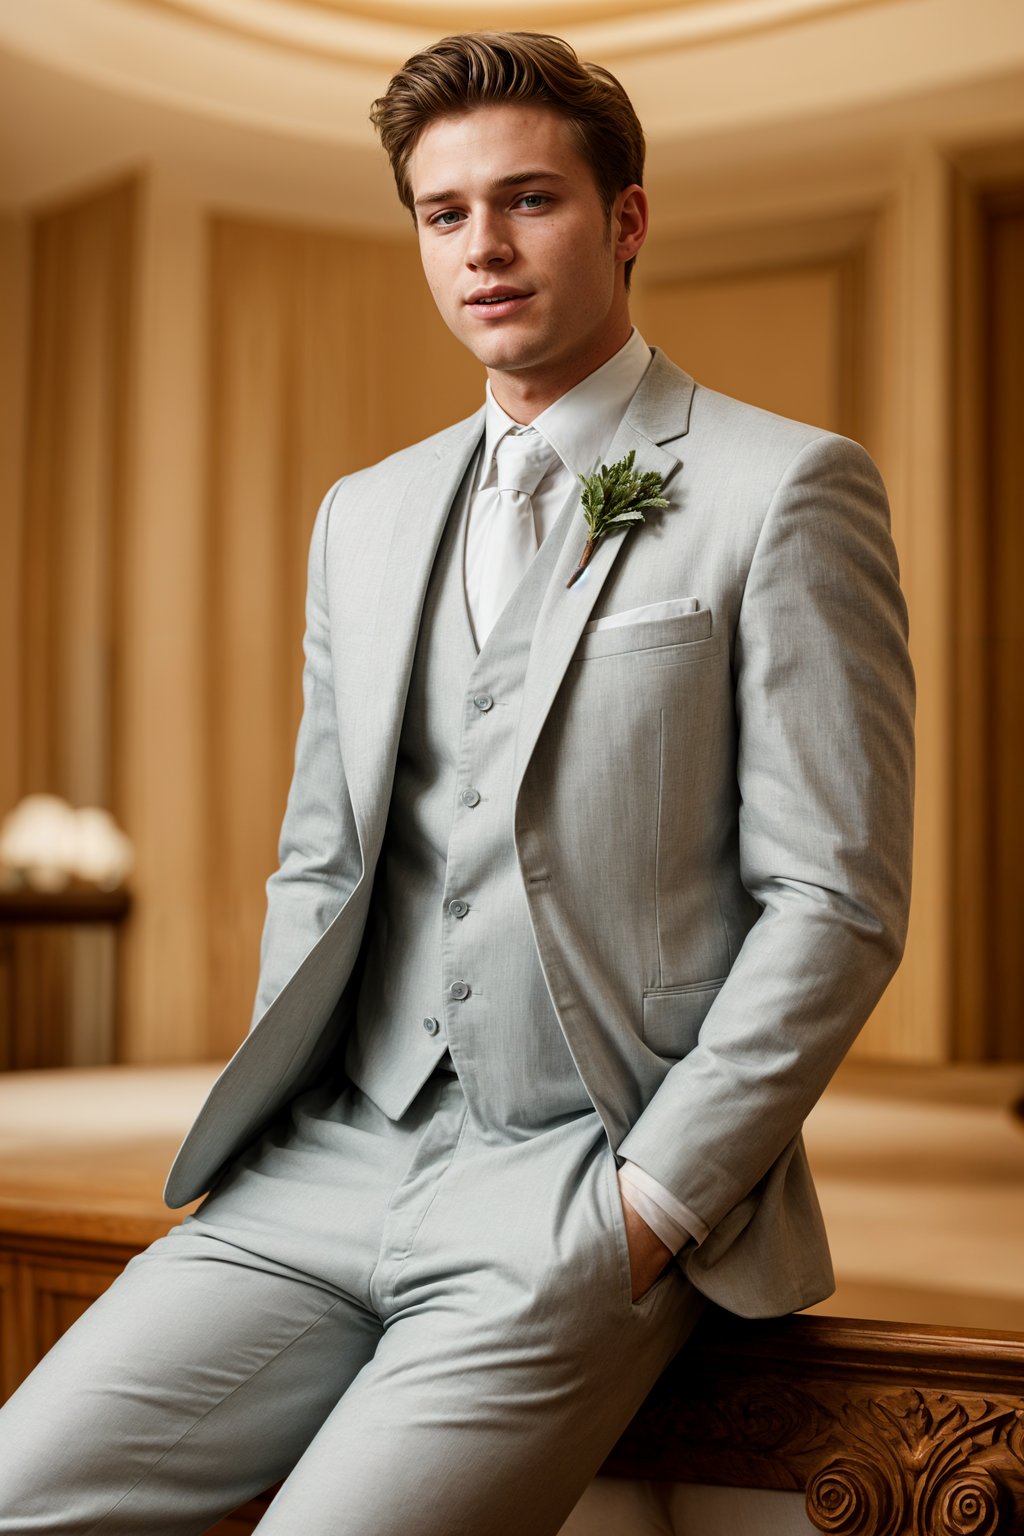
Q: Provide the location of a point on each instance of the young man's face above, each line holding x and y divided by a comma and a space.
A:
507, 210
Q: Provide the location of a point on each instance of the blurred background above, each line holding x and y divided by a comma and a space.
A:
211, 307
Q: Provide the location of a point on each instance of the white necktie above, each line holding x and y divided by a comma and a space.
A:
521, 461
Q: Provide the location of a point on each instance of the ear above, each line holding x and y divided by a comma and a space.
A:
630, 215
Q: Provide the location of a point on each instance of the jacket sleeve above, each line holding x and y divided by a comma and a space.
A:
319, 861
824, 700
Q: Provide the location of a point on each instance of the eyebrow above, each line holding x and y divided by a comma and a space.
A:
516, 179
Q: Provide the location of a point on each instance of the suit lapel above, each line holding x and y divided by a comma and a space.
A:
374, 674
658, 413
395, 563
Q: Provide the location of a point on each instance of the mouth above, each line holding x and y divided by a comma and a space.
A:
495, 303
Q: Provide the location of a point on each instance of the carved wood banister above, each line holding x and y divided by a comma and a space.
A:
891, 1429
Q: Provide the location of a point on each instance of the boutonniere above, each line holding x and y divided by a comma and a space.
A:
615, 497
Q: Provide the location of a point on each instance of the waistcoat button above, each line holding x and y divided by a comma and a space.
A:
470, 797
483, 701
458, 908
431, 1026
459, 990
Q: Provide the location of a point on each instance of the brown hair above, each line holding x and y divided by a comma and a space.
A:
479, 69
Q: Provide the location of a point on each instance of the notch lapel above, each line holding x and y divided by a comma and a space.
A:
659, 412
372, 677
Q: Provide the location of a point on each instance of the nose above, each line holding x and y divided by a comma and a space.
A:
488, 245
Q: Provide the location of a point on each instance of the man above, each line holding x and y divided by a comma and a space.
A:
586, 884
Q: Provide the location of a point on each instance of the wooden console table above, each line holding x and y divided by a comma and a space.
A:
891, 1429
41, 933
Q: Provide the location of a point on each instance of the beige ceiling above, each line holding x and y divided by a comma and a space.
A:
264, 102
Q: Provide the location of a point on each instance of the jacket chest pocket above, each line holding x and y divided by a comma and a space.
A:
648, 638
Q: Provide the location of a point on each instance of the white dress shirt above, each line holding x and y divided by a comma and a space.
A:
579, 426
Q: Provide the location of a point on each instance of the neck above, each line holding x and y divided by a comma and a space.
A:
524, 395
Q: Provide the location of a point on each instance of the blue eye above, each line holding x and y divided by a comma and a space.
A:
446, 218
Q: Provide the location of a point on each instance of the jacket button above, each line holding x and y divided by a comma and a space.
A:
431, 1026
459, 990
470, 797
483, 701
458, 908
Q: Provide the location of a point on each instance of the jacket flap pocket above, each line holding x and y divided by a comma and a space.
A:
673, 1015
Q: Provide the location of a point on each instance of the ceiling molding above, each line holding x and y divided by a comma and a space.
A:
200, 82
382, 33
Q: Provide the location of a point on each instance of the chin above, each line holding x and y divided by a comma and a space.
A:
505, 350
508, 356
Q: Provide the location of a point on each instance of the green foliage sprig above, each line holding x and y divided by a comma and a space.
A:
615, 497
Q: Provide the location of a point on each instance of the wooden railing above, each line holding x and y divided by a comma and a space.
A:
890, 1429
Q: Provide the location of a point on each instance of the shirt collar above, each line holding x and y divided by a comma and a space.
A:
580, 425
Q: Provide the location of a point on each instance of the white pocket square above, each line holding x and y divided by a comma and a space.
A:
644, 615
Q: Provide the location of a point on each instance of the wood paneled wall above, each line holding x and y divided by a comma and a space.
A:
14, 286
988, 951
197, 383
1004, 343
325, 355
785, 315
65, 525
76, 464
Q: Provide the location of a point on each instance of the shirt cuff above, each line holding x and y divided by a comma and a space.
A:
666, 1216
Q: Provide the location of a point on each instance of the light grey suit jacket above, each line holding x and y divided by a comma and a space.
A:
712, 811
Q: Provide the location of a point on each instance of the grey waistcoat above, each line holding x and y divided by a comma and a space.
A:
451, 961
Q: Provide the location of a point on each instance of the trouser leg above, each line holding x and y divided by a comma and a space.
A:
461, 1364
512, 1356
196, 1381
200, 1377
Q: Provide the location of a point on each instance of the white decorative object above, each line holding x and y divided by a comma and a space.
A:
45, 843
103, 853
37, 841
